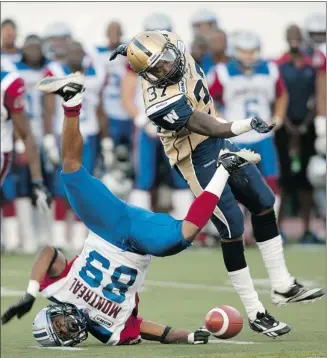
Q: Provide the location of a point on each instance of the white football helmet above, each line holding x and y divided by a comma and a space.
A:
314, 29
316, 171
157, 21
57, 37
45, 329
246, 46
204, 16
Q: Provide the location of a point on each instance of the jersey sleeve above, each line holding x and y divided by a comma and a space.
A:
216, 88
14, 96
319, 61
172, 114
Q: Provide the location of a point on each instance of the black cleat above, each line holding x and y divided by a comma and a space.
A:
297, 294
232, 161
269, 326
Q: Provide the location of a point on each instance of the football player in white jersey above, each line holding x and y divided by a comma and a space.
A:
31, 69
120, 123
9, 52
110, 271
104, 315
177, 99
14, 118
90, 124
148, 150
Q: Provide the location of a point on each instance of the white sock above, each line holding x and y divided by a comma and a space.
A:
10, 233
182, 199
24, 212
243, 284
140, 198
273, 257
218, 181
59, 234
79, 234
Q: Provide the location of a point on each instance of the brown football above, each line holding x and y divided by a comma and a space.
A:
224, 322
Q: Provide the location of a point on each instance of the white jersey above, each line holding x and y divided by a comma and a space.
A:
89, 124
33, 97
8, 60
112, 98
9, 90
104, 281
246, 96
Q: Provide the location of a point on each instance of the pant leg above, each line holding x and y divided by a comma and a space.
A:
146, 161
121, 131
90, 152
198, 169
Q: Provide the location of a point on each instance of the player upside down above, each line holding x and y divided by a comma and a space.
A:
98, 291
177, 100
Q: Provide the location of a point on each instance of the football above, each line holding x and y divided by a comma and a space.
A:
224, 322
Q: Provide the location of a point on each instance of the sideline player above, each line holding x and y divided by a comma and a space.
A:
116, 254
177, 99
13, 117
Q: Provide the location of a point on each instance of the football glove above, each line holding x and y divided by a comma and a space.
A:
120, 50
200, 336
19, 309
107, 152
260, 126
51, 149
41, 197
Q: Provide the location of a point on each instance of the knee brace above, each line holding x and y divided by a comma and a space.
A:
264, 226
233, 253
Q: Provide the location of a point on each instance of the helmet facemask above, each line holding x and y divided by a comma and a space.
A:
166, 68
67, 325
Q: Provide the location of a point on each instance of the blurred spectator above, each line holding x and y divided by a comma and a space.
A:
295, 140
157, 21
9, 51
314, 32
204, 22
57, 38
217, 50
199, 48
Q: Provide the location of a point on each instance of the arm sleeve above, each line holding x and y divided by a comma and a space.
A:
172, 114
93, 202
14, 96
216, 88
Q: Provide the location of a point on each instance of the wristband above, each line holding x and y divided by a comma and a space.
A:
33, 287
240, 127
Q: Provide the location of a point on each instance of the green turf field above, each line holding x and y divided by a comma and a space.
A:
179, 291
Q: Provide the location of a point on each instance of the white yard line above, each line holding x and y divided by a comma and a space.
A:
60, 348
228, 341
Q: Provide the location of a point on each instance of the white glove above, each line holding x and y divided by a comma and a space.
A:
320, 126
20, 146
107, 147
51, 148
320, 145
142, 121
151, 130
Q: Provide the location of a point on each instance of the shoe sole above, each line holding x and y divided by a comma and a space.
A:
304, 302
52, 84
273, 337
248, 155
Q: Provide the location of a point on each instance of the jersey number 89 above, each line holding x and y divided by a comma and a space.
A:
93, 277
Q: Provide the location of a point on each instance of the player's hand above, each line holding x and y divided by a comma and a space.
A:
260, 126
120, 50
107, 152
41, 197
19, 309
200, 336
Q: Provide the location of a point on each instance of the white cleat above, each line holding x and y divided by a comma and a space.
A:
72, 82
233, 161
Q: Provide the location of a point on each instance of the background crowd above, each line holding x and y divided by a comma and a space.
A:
122, 148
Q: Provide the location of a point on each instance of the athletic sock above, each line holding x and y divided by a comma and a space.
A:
273, 257
243, 284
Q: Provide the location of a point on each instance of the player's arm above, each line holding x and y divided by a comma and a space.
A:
152, 331
49, 140
50, 262
177, 113
128, 90
281, 102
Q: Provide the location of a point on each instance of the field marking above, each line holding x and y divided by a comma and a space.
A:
195, 286
228, 341
60, 348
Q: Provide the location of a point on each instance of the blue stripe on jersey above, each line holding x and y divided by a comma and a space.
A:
88, 71
233, 68
3, 74
102, 49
